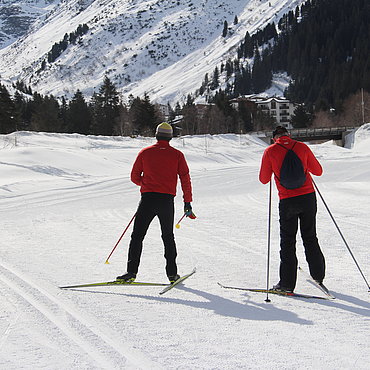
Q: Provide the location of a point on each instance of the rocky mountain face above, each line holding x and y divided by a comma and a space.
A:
159, 47
16, 17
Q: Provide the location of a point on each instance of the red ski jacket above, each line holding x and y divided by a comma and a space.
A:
273, 158
157, 167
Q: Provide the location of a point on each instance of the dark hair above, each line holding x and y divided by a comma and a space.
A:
159, 137
279, 131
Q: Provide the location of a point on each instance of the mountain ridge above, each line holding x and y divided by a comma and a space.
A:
162, 48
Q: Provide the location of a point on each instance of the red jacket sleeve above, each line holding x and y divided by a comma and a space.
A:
266, 168
137, 170
313, 164
183, 171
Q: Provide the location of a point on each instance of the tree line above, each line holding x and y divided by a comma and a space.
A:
106, 114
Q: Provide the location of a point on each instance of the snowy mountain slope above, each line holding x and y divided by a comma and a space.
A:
161, 47
16, 17
64, 201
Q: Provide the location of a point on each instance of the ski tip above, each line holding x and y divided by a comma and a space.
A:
106, 262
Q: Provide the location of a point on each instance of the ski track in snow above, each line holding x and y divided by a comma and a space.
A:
82, 330
65, 194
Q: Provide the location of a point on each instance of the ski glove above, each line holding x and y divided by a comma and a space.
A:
188, 210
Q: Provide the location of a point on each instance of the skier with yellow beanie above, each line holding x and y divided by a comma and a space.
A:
156, 170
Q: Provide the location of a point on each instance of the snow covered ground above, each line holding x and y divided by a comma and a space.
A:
64, 202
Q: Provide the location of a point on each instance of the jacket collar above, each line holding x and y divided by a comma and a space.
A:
163, 143
284, 140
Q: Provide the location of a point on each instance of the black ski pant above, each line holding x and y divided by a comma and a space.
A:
302, 208
151, 205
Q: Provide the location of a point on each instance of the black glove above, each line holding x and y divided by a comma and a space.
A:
188, 210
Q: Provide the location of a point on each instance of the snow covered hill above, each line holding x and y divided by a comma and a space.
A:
17, 17
64, 202
164, 48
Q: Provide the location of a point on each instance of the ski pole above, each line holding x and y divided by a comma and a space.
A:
268, 245
340, 233
178, 223
120, 238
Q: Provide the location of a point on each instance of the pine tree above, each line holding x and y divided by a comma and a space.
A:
79, 115
300, 118
105, 107
246, 117
152, 119
23, 112
243, 82
261, 72
215, 80
63, 112
8, 113
229, 68
248, 46
143, 116
45, 114
224, 31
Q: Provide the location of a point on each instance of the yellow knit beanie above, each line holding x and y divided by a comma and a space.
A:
164, 130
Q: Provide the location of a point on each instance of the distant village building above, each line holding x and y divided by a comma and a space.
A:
280, 108
164, 110
202, 109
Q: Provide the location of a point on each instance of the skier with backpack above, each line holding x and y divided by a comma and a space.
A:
292, 162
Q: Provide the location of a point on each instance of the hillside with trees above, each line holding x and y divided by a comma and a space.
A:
323, 46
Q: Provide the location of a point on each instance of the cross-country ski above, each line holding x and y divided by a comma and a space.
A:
272, 291
113, 283
320, 286
178, 281
132, 283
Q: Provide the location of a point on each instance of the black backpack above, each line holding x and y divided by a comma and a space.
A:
292, 175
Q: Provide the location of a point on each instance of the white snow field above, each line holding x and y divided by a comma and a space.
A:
64, 202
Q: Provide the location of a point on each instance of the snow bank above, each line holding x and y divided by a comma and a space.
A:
359, 139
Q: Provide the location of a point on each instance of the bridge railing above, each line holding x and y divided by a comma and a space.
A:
320, 131
312, 132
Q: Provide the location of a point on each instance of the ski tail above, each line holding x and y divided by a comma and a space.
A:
178, 281
318, 285
272, 291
